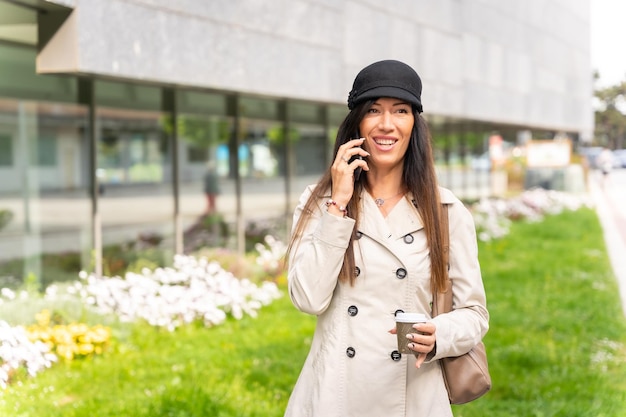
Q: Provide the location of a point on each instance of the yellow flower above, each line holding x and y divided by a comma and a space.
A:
86, 349
69, 341
43, 317
65, 352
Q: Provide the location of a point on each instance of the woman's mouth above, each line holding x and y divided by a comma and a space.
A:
384, 142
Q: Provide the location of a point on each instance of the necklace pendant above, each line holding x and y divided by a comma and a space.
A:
379, 202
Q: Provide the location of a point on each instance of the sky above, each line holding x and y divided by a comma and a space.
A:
608, 32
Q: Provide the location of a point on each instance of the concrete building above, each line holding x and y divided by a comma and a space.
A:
112, 111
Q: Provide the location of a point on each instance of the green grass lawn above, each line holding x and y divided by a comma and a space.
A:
557, 342
557, 346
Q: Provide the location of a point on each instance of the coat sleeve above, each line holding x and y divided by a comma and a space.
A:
317, 257
465, 326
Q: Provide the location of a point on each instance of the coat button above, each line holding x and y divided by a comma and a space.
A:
353, 311
357, 271
408, 238
396, 356
358, 235
350, 352
401, 273
398, 311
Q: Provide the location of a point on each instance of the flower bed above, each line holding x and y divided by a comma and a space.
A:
194, 289
493, 216
191, 290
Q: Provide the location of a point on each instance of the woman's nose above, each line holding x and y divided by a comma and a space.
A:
385, 121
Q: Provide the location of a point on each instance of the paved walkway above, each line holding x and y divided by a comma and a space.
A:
610, 204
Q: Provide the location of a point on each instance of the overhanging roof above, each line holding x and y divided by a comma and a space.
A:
20, 19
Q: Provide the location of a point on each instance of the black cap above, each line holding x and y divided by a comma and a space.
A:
387, 78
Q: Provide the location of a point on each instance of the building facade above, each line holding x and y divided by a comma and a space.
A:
115, 116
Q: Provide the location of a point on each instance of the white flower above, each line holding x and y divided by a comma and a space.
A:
192, 289
16, 350
7, 293
493, 217
270, 254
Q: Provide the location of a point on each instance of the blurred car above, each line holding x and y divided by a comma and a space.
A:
619, 158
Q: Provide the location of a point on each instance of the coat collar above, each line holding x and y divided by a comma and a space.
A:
401, 221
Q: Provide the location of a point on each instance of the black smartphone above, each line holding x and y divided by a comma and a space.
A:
357, 172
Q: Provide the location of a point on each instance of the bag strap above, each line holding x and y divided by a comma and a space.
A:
442, 301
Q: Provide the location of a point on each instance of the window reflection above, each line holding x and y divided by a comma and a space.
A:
310, 156
262, 171
45, 221
207, 196
207, 191
132, 148
261, 153
135, 175
242, 162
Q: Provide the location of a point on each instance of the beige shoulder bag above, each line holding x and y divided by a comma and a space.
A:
467, 376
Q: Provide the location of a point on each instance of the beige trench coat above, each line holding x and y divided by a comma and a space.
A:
353, 367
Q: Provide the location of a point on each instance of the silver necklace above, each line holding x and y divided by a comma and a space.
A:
380, 201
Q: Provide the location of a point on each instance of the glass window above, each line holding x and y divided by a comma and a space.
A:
134, 170
193, 102
259, 108
207, 190
196, 154
128, 96
261, 153
262, 170
310, 151
306, 112
46, 151
45, 221
19, 78
336, 114
461, 157
6, 150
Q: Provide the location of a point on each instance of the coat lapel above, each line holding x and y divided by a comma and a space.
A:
402, 220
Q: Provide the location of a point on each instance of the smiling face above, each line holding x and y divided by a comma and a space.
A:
387, 128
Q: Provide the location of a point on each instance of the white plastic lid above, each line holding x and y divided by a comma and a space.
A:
411, 317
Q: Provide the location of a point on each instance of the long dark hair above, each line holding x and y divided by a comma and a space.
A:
420, 179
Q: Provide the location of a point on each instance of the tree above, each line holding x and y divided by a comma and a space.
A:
610, 126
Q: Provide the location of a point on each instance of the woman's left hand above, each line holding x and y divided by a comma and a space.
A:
422, 341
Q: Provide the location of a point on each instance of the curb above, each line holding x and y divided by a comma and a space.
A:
615, 243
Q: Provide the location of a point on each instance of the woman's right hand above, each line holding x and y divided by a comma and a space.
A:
342, 171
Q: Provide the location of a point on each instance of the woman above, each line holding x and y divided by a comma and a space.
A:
367, 245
